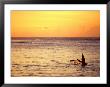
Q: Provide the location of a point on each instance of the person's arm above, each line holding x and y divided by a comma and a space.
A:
79, 60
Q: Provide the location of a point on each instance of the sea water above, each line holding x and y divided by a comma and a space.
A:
50, 56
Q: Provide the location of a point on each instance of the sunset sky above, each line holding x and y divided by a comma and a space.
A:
55, 23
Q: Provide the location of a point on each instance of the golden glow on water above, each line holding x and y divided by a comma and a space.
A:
52, 57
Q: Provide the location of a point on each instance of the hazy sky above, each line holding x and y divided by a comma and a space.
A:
55, 23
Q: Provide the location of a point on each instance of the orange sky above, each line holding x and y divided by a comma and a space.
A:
55, 23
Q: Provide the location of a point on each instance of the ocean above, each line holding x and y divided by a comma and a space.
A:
50, 56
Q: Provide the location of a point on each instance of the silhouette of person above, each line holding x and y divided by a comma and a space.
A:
83, 61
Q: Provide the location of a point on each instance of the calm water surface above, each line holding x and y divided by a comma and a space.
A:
51, 57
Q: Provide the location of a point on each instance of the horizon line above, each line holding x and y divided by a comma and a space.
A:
55, 37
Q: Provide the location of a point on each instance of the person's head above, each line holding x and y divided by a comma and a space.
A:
82, 56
